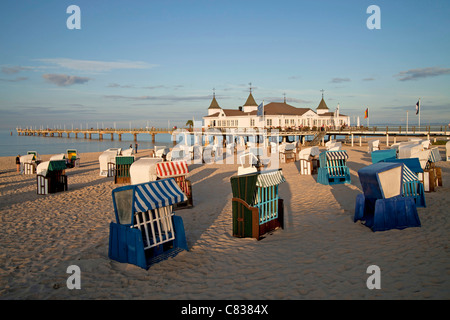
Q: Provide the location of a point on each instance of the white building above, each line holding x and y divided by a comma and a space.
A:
276, 115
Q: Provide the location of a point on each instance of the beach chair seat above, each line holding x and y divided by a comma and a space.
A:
51, 177
333, 168
122, 169
27, 164
177, 170
382, 205
146, 230
256, 206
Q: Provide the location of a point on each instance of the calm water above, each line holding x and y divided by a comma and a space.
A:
12, 145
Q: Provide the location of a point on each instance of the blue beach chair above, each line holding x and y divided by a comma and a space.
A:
146, 230
333, 168
382, 205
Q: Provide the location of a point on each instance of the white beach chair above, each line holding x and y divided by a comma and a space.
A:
373, 145
447, 151
248, 163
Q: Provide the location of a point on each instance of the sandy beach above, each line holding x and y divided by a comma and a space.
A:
320, 254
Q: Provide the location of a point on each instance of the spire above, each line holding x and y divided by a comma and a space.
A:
214, 104
322, 104
284, 97
250, 100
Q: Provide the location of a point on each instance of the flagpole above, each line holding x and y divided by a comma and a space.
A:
419, 114
406, 121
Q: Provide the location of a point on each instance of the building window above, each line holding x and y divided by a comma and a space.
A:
269, 122
236, 123
252, 122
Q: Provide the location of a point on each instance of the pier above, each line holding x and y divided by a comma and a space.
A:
352, 134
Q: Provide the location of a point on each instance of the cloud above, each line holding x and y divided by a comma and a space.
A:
116, 85
171, 98
415, 74
15, 80
96, 66
64, 80
14, 69
340, 80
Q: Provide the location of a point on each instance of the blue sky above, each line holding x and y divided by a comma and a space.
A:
148, 62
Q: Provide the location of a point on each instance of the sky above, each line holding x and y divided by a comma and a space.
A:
158, 62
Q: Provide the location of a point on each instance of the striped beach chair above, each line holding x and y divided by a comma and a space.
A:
412, 186
333, 168
146, 230
256, 206
177, 170
382, 205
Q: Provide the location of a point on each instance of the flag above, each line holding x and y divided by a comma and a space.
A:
417, 107
366, 113
260, 111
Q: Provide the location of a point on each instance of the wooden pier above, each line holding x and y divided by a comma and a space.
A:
91, 133
350, 134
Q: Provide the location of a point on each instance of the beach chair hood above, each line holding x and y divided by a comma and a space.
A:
171, 169
143, 197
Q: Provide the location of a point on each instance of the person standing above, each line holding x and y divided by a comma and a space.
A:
135, 147
18, 162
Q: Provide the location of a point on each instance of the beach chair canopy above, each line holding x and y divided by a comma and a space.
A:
412, 163
144, 170
337, 155
409, 150
171, 169
383, 155
381, 180
27, 158
71, 154
60, 156
142, 197
49, 166
270, 178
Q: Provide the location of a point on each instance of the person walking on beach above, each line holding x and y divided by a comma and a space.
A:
18, 162
135, 147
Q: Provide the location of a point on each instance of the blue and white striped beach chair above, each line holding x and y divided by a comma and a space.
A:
333, 168
146, 230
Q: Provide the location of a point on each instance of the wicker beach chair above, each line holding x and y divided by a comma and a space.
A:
122, 169
256, 205
51, 177
146, 230
333, 168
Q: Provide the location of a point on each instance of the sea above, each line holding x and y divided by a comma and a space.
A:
11, 144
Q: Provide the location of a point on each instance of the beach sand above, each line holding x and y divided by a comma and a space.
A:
320, 254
